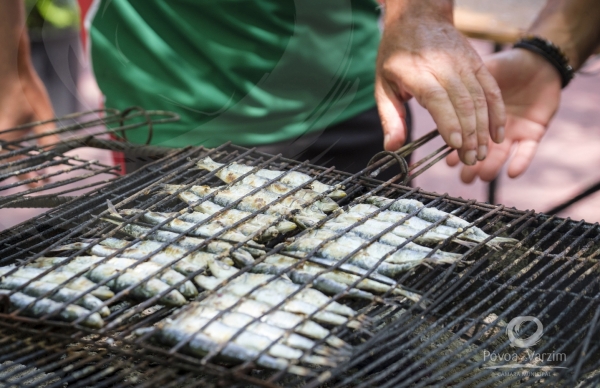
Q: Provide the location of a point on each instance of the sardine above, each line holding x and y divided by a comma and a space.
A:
71, 281
206, 230
282, 319
323, 284
372, 228
367, 273
274, 298
408, 253
179, 259
197, 320
241, 191
433, 215
168, 255
38, 308
39, 289
415, 223
368, 257
274, 333
335, 275
125, 279
297, 209
216, 247
214, 226
261, 232
170, 277
172, 333
228, 173
232, 215
279, 284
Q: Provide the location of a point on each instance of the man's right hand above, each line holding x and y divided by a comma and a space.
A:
422, 54
531, 89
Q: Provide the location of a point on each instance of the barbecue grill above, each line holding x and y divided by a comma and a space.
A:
455, 334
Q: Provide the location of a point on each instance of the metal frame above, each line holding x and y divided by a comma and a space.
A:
550, 273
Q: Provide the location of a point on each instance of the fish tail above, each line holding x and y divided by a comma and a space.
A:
111, 221
319, 360
208, 164
171, 189
337, 194
70, 247
468, 244
112, 209
503, 240
300, 371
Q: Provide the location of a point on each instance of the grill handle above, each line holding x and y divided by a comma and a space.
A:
387, 159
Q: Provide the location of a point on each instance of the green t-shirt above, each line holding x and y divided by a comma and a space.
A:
253, 72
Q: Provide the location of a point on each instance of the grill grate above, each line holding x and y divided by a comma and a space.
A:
46, 174
549, 274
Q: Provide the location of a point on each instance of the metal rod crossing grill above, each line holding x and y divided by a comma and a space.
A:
447, 328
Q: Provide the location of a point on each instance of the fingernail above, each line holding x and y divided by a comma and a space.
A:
500, 135
386, 139
470, 157
481, 152
455, 140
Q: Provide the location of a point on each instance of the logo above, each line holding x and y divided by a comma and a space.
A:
515, 325
526, 362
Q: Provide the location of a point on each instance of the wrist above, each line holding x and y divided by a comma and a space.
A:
418, 11
530, 60
551, 53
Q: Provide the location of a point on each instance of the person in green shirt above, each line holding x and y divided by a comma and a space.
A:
294, 74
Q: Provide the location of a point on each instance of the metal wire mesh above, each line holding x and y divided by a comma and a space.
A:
448, 337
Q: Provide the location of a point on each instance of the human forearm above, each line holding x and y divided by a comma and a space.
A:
572, 25
23, 97
14, 53
418, 10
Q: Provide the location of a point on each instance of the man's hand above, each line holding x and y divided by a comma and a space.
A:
24, 100
422, 55
23, 97
531, 89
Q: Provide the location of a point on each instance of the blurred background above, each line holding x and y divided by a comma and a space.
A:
566, 162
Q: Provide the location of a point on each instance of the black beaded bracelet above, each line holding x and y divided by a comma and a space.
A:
551, 53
